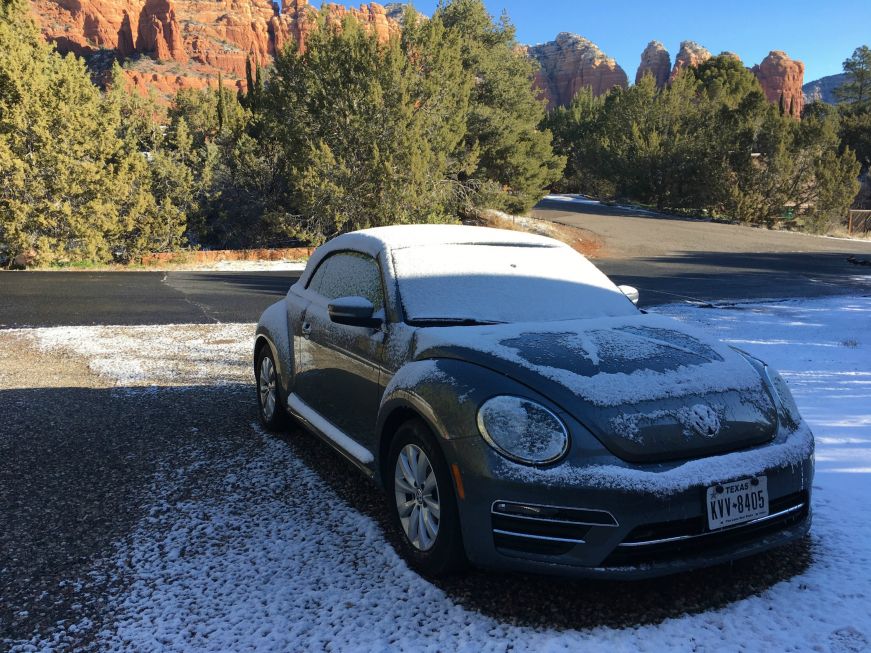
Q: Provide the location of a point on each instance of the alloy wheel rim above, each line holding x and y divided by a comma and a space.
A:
266, 386
417, 497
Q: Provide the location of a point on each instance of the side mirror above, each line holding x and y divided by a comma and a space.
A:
630, 292
353, 311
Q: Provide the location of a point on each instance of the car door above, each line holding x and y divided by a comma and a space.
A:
339, 366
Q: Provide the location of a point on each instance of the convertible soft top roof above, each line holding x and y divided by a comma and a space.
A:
417, 235
385, 239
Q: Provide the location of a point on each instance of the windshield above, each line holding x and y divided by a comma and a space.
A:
473, 284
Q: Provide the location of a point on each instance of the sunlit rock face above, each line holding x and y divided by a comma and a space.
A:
782, 77
570, 63
655, 61
187, 43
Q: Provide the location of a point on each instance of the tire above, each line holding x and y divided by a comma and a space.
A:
270, 409
412, 498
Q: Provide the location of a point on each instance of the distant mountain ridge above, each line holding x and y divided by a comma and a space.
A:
823, 89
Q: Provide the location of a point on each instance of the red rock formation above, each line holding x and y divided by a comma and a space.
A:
783, 77
208, 36
655, 61
691, 54
159, 33
571, 63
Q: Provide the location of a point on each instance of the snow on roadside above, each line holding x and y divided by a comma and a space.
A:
243, 266
588, 201
175, 354
273, 559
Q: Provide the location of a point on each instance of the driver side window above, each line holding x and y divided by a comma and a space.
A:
349, 274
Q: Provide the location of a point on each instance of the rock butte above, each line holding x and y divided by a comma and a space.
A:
656, 62
777, 74
783, 77
690, 55
570, 63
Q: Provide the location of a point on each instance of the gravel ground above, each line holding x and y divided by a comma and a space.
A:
97, 466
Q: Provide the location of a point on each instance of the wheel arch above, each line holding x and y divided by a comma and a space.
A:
272, 330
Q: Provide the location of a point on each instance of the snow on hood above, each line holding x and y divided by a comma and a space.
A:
646, 386
607, 361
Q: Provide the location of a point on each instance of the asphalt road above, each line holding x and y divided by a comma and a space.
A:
667, 259
670, 259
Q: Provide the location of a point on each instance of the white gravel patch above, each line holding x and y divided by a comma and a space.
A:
274, 560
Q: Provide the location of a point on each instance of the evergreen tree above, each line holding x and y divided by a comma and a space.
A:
710, 141
857, 88
249, 78
71, 188
221, 103
503, 152
371, 132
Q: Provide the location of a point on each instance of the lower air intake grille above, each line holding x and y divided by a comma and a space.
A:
666, 541
543, 530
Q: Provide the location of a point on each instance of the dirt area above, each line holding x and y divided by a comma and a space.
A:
581, 240
24, 365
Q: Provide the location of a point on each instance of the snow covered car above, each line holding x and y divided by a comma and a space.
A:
521, 413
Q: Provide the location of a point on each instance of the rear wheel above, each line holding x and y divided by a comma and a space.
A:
270, 409
422, 501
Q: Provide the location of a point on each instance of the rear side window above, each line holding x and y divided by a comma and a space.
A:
348, 274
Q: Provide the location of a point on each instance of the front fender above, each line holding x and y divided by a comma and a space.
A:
446, 393
272, 330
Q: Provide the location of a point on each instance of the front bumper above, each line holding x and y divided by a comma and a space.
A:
576, 525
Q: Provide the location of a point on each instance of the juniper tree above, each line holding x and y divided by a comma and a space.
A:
71, 188
365, 130
503, 148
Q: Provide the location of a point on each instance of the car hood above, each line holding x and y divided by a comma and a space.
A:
648, 387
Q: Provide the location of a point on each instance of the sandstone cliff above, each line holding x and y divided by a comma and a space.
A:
655, 61
173, 44
778, 75
690, 55
188, 42
570, 63
783, 77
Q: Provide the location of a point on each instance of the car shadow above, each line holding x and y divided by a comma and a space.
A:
77, 470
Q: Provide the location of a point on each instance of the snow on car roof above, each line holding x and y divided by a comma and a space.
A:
418, 235
384, 239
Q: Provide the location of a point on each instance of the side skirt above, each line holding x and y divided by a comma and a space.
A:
338, 439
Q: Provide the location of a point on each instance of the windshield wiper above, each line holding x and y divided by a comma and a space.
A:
450, 321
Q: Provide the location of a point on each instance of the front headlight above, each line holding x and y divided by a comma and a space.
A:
787, 403
523, 430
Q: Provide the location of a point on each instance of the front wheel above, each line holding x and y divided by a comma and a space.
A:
270, 409
422, 501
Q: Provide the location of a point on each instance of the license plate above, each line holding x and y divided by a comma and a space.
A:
737, 502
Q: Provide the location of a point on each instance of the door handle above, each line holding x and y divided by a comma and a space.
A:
306, 329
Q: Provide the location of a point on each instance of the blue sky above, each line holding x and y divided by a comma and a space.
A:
821, 34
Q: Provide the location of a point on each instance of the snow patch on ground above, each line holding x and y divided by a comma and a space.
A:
176, 354
274, 560
588, 201
246, 266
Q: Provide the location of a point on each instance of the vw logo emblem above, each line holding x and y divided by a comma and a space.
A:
703, 420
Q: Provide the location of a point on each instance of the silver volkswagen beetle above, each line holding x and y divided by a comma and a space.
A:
521, 413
